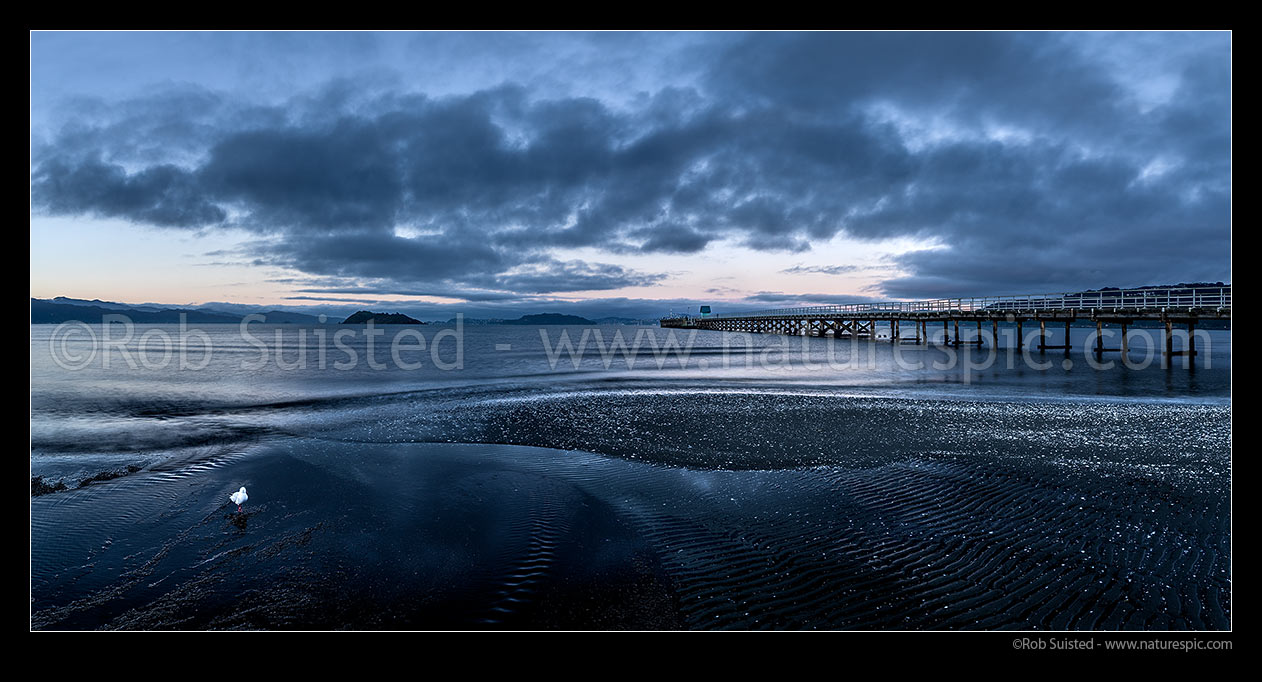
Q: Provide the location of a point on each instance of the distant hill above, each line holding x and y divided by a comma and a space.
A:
47, 312
286, 317
549, 318
624, 320
1180, 285
62, 309
365, 316
474, 321
98, 303
276, 316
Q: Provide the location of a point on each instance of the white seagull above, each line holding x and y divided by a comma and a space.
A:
239, 497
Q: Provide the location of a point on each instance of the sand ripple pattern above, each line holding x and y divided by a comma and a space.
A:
933, 545
510, 536
542, 529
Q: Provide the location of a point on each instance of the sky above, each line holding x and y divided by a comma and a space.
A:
623, 174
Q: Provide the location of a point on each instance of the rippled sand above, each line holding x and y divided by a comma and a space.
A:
849, 514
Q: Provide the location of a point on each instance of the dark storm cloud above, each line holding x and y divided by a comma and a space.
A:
555, 276
383, 255
779, 298
162, 195
546, 277
319, 294
1094, 189
1029, 159
673, 239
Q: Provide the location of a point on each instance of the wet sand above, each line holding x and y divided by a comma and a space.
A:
370, 536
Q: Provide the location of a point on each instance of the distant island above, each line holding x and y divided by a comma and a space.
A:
549, 318
365, 316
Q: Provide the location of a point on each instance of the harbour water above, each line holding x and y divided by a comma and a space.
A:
507, 476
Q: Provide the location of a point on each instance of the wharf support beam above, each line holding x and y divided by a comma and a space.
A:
1043, 345
1123, 346
1188, 351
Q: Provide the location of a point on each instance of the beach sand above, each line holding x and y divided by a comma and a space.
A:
340, 535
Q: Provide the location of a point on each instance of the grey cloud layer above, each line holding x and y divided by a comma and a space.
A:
1029, 161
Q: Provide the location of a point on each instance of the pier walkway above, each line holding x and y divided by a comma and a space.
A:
1121, 307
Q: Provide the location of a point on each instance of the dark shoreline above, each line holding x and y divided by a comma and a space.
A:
429, 536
